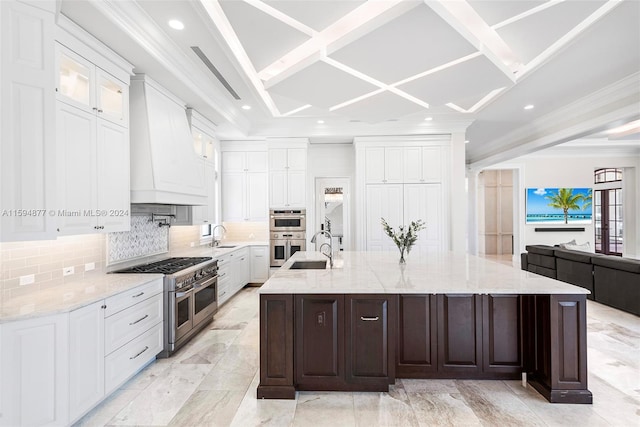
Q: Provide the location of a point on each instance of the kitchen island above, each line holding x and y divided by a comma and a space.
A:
370, 320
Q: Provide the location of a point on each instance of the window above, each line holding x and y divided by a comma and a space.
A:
608, 210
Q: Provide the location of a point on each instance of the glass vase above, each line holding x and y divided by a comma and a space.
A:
402, 260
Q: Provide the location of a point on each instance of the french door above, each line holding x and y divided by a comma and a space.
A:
608, 221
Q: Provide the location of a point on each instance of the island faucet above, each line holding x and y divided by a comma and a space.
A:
215, 242
330, 244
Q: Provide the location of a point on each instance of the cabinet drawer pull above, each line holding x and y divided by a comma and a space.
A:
223, 274
139, 320
137, 295
145, 349
369, 319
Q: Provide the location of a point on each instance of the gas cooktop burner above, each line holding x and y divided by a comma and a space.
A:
166, 266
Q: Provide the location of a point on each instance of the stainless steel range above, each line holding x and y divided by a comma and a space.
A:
190, 296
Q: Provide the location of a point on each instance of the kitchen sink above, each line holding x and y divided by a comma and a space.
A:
226, 246
309, 265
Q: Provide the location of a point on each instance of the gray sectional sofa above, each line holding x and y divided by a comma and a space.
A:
612, 280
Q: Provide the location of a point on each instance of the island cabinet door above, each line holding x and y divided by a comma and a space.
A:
319, 342
417, 337
459, 335
501, 335
369, 331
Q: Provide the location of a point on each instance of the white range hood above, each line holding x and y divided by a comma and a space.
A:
164, 166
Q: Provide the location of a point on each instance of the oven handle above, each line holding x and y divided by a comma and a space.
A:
181, 294
203, 284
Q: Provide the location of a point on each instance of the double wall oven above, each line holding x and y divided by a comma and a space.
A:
287, 229
190, 296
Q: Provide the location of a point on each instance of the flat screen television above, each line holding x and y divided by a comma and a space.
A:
559, 206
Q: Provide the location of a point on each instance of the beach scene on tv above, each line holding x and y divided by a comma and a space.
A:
559, 206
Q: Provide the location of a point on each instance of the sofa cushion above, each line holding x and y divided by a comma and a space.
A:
577, 273
542, 260
542, 271
617, 288
573, 255
524, 263
625, 264
540, 249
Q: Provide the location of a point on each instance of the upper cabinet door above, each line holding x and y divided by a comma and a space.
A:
75, 80
112, 98
432, 159
233, 161
297, 159
412, 164
374, 165
277, 159
393, 164
256, 161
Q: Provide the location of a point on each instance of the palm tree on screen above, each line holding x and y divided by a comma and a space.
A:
565, 199
587, 200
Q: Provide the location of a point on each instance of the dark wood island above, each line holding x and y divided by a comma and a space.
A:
368, 321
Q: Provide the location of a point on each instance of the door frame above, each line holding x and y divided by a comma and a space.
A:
320, 184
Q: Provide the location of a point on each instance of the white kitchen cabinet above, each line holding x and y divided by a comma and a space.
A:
27, 123
244, 186
421, 201
207, 214
242, 269
384, 165
86, 86
259, 264
93, 173
382, 201
86, 359
35, 372
133, 332
287, 177
422, 164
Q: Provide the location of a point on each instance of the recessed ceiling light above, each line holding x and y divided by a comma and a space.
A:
246, 107
320, 122
429, 119
466, 141
176, 25
528, 107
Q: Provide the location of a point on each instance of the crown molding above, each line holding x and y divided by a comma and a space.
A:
138, 25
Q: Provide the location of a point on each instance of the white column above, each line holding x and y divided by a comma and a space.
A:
472, 211
458, 194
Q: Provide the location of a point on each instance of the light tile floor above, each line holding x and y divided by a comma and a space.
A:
212, 382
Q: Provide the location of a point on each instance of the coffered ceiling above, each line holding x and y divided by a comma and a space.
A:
342, 68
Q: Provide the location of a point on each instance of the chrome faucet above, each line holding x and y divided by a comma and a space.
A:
330, 245
215, 242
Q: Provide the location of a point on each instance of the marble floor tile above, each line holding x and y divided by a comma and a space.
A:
324, 409
209, 408
221, 379
263, 412
384, 409
494, 403
442, 409
146, 376
162, 400
429, 386
240, 358
101, 415
611, 404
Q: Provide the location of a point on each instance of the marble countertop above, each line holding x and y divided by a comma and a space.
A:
380, 272
71, 296
80, 293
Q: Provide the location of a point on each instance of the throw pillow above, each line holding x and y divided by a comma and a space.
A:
585, 247
564, 245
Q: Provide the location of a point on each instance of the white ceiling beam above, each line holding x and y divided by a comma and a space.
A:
466, 21
527, 13
282, 17
219, 19
361, 20
552, 50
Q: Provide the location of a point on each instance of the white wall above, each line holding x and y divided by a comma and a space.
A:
329, 161
544, 171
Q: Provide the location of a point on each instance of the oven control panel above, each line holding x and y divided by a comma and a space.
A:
287, 235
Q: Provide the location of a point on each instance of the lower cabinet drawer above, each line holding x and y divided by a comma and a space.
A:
131, 297
128, 359
122, 327
224, 291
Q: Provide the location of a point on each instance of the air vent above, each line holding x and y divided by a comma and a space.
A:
214, 70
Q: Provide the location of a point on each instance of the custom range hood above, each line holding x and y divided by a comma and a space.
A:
164, 166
